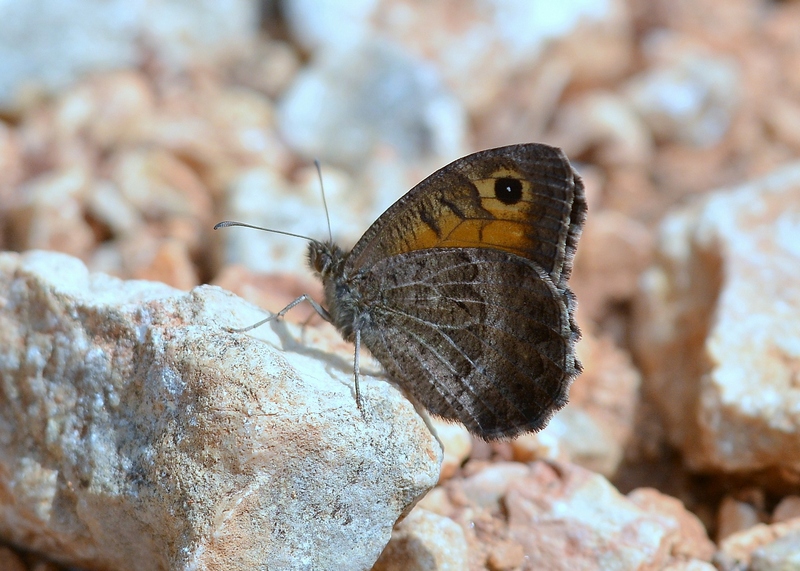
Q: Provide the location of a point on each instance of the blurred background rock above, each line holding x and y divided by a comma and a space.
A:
127, 129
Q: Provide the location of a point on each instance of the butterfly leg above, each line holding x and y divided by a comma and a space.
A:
323, 313
356, 371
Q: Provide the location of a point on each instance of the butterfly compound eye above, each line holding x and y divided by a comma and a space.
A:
508, 190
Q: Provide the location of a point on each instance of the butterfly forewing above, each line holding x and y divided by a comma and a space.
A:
523, 199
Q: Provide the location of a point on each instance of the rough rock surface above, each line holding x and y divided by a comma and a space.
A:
137, 433
51, 43
762, 548
423, 541
561, 516
491, 41
717, 327
371, 95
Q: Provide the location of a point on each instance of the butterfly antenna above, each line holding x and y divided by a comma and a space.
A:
324, 201
229, 223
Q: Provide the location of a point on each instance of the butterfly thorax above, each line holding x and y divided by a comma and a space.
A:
343, 302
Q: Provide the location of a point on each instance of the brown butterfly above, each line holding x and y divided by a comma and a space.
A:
460, 289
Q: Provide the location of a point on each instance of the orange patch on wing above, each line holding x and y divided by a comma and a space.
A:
508, 235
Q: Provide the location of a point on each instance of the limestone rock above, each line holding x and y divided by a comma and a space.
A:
606, 121
494, 42
787, 508
686, 94
371, 95
761, 548
687, 540
51, 43
552, 506
615, 250
716, 329
563, 517
137, 433
424, 541
457, 444
780, 555
734, 516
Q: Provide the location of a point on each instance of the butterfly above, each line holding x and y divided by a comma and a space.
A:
460, 290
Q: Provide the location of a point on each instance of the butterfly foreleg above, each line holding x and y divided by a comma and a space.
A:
356, 370
323, 313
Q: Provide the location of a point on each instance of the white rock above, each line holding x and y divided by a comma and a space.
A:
781, 555
564, 517
457, 444
487, 488
687, 96
717, 327
761, 548
351, 100
52, 42
605, 121
137, 433
476, 49
326, 24
425, 540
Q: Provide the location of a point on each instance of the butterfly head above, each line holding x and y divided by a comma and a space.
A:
324, 257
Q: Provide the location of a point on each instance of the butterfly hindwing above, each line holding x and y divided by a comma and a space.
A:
476, 336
